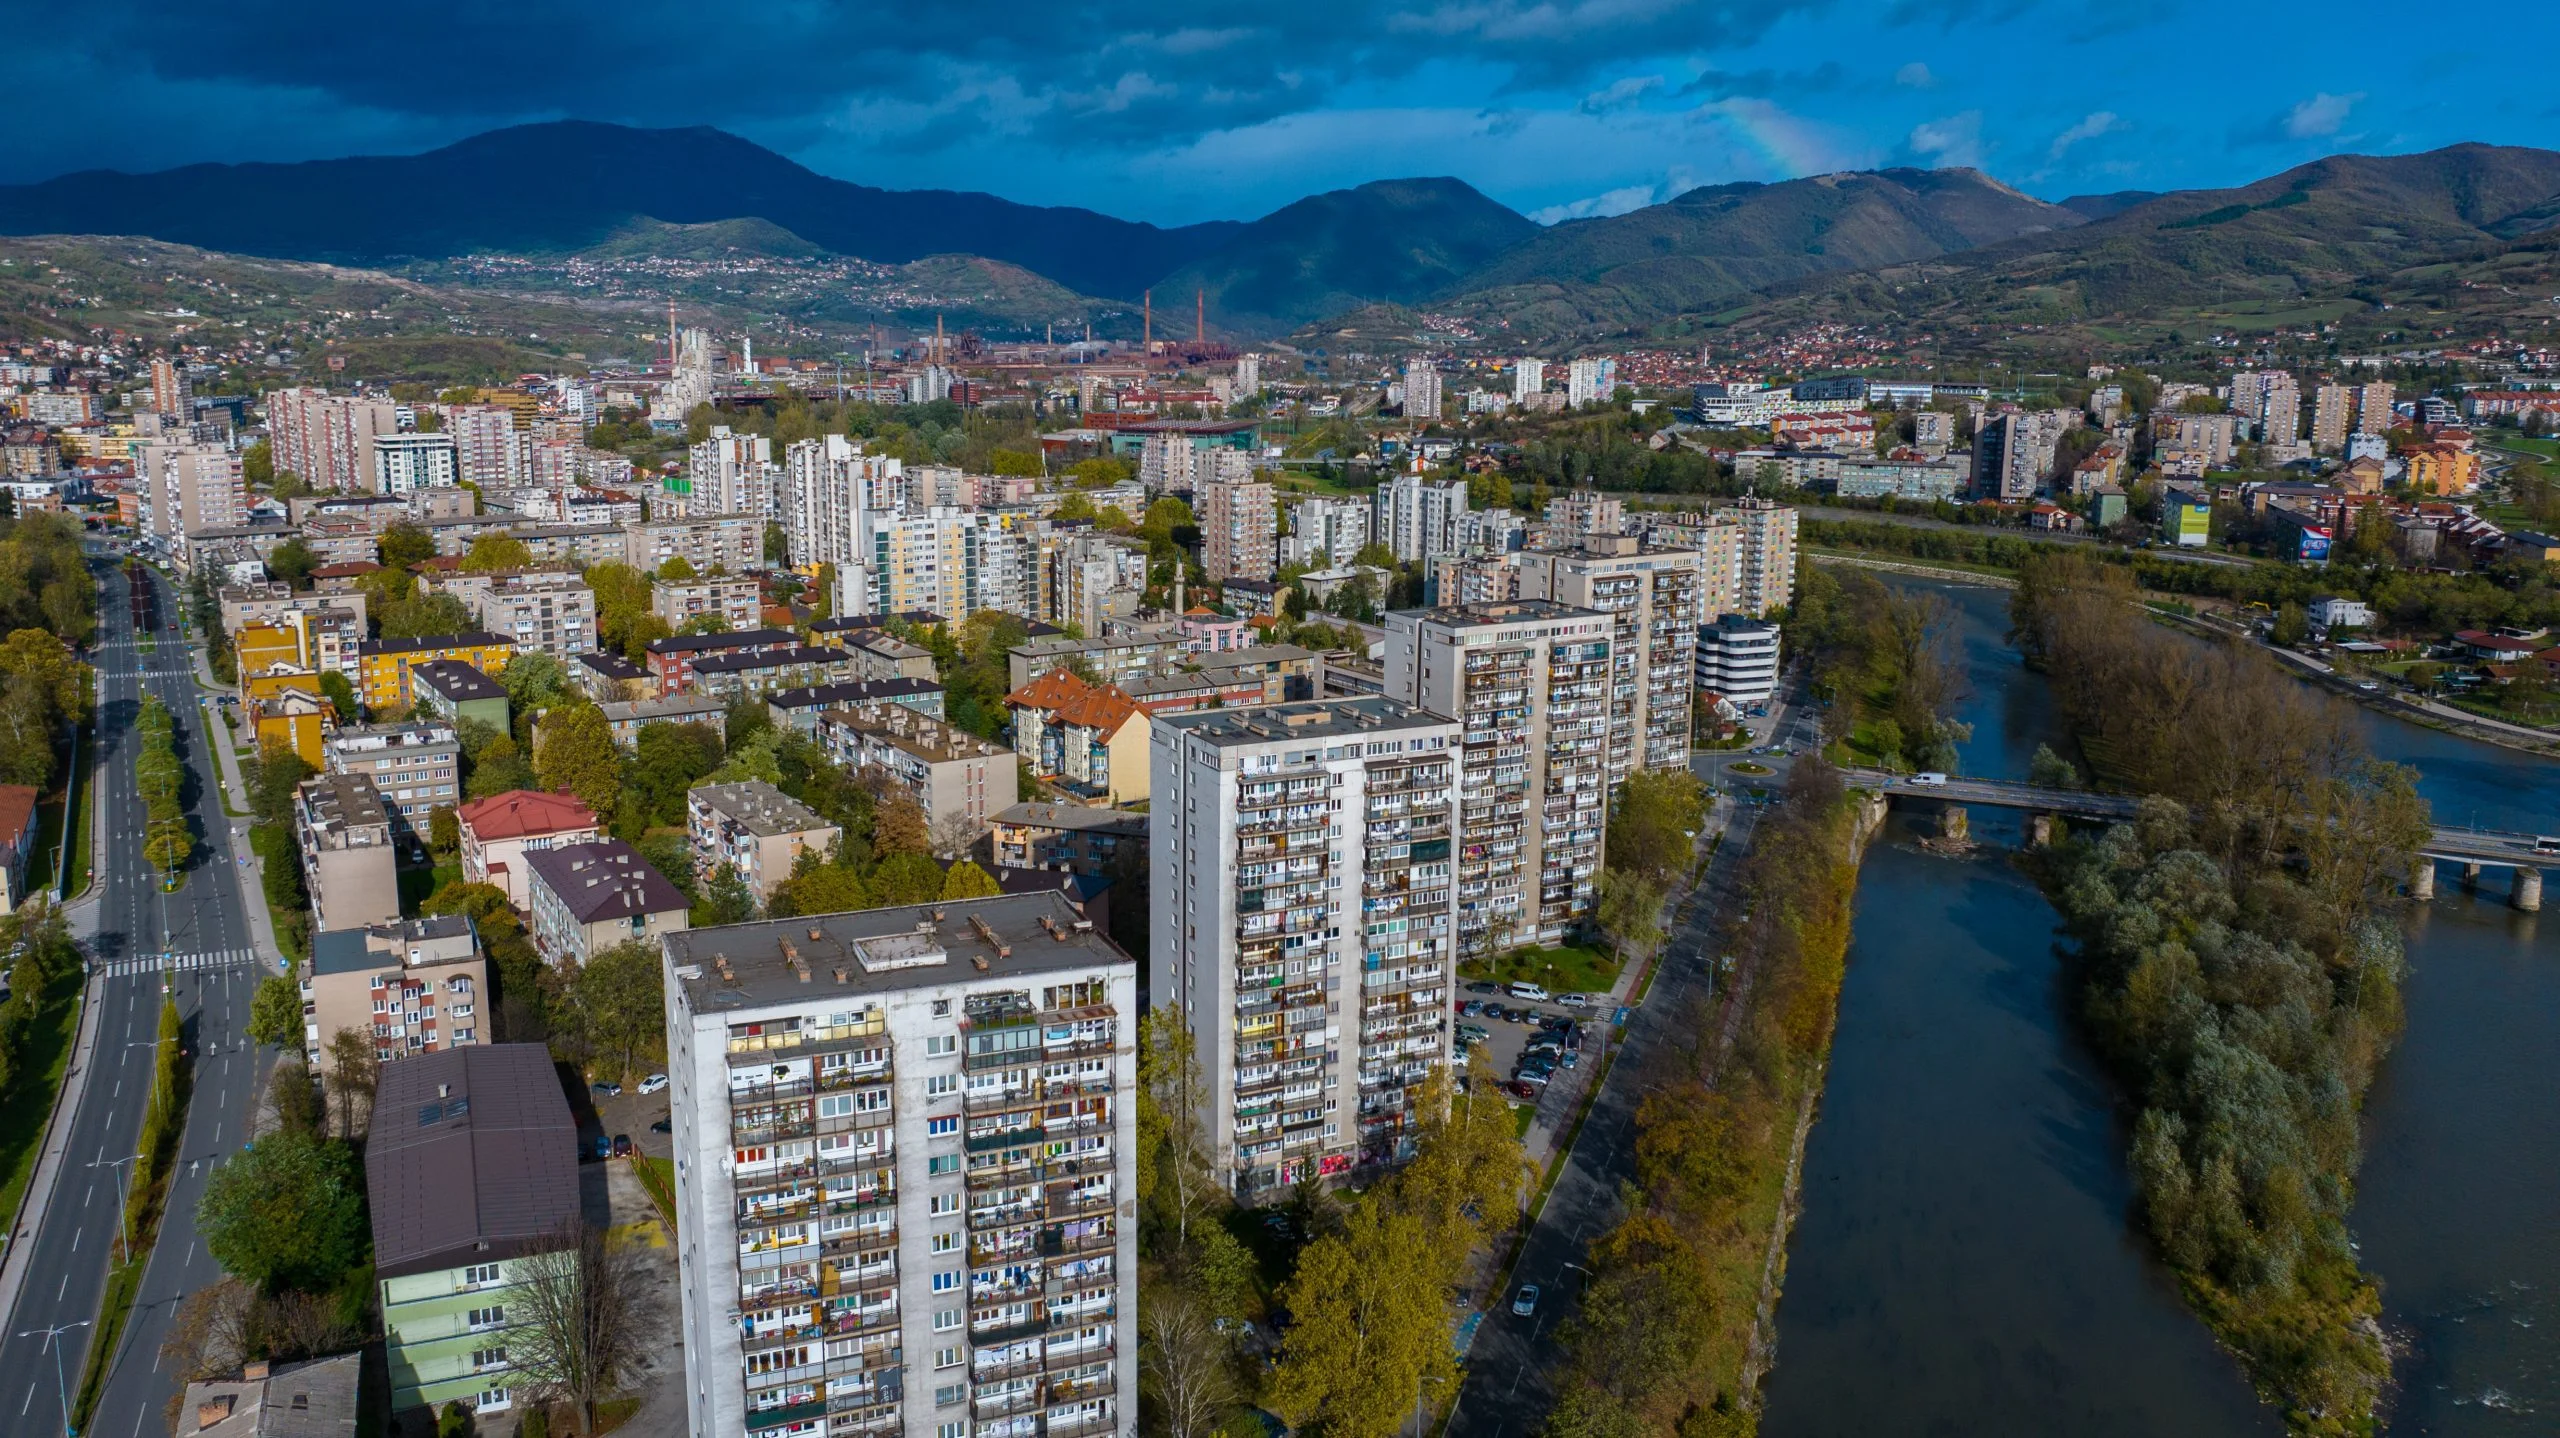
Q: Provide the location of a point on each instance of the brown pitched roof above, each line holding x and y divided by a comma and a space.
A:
1052, 690
1102, 709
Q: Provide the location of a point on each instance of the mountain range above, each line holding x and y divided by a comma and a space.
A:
1849, 245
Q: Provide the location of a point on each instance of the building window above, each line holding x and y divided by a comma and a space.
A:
949, 1394
938, 1046
488, 1357
942, 1164
945, 1319
941, 1127
941, 1085
943, 1203
946, 1358
491, 1317
951, 1430
480, 1273
946, 1243
946, 1282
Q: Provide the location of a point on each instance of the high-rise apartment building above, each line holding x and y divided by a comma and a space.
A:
1418, 517
1305, 922
1590, 381
407, 463
1529, 682
2013, 451
487, 450
1421, 389
170, 394
2373, 407
1528, 378
2333, 416
1652, 596
327, 440
2279, 408
187, 487
544, 611
903, 1140
830, 485
731, 474
1746, 553
1239, 529
1338, 529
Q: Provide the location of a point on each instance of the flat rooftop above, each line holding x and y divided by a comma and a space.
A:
1503, 611
1075, 816
334, 803
762, 809
878, 951
1362, 714
918, 733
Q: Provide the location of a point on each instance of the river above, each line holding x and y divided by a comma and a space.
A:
1964, 1263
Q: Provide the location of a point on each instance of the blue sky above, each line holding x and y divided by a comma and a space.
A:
1215, 109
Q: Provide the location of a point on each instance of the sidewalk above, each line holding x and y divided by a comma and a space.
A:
57, 1137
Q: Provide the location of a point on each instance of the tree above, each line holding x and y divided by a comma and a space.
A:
1173, 1163
1074, 509
1186, 1364
725, 899
295, 1095
341, 694
820, 888
444, 831
965, 880
574, 750
499, 769
900, 827
285, 1213
667, 761
2292, 625
621, 999
497, 551
258, 464
275, 1014
422, 616
353, 1069
404, 544
292, 562
579, 1316
1014, 462
906, 879
777, 545
676, 567
1369, 1327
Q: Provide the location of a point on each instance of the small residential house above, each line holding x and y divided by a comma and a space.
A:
1071, 838
499, 831
450, 689
1089, 740
414, 985
754, 830
588, 898
472, 1169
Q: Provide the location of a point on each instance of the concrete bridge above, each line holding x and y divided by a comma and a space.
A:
2473, 849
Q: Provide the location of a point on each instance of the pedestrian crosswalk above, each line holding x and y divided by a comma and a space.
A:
181, 963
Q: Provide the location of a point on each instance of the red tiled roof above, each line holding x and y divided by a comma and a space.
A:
345, 569
1053, 690
17, 814
1102, 709
520, 812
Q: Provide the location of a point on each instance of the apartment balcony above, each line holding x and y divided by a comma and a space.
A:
1082, 1427
1079, 1389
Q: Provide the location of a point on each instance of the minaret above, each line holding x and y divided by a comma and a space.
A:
1148, 334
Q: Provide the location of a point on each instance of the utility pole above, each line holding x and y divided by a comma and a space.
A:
53, 1340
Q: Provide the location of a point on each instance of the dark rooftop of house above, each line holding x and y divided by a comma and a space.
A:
768, 659
472, 1158
458, 682
735, 639
612, 666
843, 622
346, 951
475, 639
606, 879
812, 959
852, 691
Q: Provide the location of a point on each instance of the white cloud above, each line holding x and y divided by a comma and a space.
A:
1916, 75
1953, 141
2322, 114
1620, 93
1608, 202
2098, 122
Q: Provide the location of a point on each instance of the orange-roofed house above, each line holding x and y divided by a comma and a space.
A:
497, 832
1087, 739
2443, 469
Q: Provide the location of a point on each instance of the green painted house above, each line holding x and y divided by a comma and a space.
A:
472, 1169
455, 691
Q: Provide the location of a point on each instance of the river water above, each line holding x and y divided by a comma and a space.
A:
1964, 1264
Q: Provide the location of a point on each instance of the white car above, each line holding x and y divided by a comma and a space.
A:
1576, 1001
654, 1083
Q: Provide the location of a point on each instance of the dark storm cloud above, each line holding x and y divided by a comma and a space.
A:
1077, 73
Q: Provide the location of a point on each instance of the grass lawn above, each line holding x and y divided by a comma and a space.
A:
30, 1101
419, 881
658, 1176
1559, 971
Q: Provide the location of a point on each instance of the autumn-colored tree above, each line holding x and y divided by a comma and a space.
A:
574, 750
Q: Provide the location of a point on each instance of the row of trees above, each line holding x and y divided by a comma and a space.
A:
44, 578
41, 984
1660, 1343
167, 842
1367, 1338
43, 693
2238, 968
1879, 654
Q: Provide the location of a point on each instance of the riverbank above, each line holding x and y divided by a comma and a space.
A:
1677, 1323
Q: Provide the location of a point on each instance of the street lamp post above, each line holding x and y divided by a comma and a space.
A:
124, 1197
53, 1340
1418, 1380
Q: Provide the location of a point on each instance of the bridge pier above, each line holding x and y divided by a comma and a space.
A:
2422, 879
2040, 831
2528, 890
2471, 876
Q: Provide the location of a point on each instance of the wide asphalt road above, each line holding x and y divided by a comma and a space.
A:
204, 933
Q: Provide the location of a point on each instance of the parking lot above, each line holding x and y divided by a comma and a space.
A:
1511, 1026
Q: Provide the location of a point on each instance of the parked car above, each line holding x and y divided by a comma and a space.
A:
622, 1145
1571, 1058
654, 1083
663, 1126
1529, 991
1484, 988
1576, 1001
606, 1088
1521, 1090
1525, 1302
604, 1146
1470, 1008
